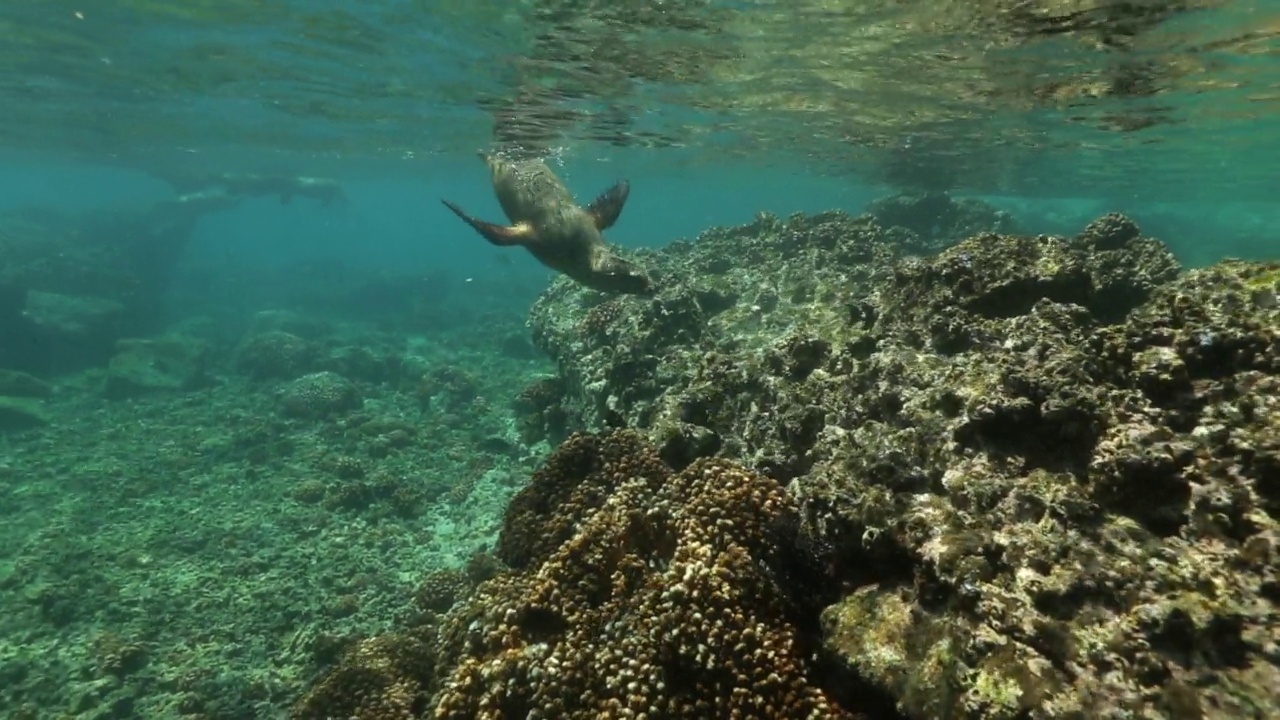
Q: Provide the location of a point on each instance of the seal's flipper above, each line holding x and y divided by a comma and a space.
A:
496, 234
606, 208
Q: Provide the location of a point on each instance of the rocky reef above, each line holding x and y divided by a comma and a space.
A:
1022, 477
911, 464
939, 218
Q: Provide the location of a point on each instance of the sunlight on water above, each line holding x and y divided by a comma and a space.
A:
990, 95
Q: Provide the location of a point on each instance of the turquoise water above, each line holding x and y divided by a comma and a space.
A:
186, 535
728, 108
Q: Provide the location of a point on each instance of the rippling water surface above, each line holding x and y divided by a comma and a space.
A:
1025, 96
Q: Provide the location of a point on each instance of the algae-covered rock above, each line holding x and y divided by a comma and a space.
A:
319, 395
276, 355
1044, 469
21, 413
1093, 531
19, 384
939, 219
167, 364
64, 333
74, 315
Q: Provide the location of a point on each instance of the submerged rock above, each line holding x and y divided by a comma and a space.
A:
287, 321
74, 315
319, 395
21, 413
1024, 478
20, 384
64, 333
166, 364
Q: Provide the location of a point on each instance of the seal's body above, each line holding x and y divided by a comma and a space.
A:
183, 211
561, 234
240, 185
286, 187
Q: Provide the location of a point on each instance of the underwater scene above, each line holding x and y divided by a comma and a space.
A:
640, 360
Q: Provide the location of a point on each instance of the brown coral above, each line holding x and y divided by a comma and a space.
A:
319, 395
643, 593
276, 355
382, 678
636, 592
440, 589
602, 319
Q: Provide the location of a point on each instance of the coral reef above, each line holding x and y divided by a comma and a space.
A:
1043, 468
196, 553
635, 592
939, 219
835, 469
276, 355
319, 395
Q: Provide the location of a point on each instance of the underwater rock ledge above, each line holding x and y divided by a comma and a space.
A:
1025, 477
1044, 468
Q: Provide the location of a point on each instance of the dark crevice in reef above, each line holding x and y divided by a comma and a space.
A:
1023, 434
1017, 298
820, 570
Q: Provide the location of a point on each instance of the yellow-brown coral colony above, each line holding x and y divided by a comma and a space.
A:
634, 591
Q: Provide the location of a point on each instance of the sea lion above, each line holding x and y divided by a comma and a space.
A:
325, 190
564, 236
184, 210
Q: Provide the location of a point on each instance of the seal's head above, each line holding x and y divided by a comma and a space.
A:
616, 275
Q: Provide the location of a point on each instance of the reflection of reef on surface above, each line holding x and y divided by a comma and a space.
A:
583, 73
